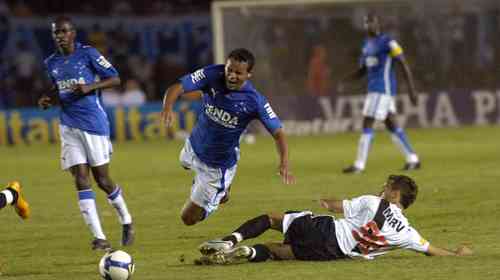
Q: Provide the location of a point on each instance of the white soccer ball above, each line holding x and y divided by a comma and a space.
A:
116, 265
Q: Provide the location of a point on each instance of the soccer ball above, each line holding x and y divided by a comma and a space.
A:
116, 265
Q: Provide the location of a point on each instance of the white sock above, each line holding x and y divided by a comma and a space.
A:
399, 138
116, 200
9, 198
238, 237
86, 201
363, 148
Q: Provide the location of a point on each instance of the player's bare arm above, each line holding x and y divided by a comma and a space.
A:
105, 83
332, 205
45, 101
409, 78
171, 95
460, 251
282, 147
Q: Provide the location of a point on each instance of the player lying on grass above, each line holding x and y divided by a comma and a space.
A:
372, 226
12, 195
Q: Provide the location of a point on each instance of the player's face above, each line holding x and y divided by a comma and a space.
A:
371, 25
236, 74
63, 35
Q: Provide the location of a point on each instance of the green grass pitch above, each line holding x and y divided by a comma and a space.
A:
458, 202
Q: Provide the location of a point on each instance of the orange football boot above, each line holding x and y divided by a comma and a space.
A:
22, 207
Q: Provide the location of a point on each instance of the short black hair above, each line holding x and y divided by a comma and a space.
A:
63, 19
406, 186
243, 55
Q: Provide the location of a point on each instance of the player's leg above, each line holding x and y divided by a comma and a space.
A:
74, 159
401, 140
255, 253
99, 150
209, 189
116, 200
12, 195
363, 147
249, 229
87, 205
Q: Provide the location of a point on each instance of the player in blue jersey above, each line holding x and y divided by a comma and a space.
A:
379, 54
230, 102
12, 195
78, 74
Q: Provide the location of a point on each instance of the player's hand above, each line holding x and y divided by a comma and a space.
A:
167, 117
286, 175
464, 251
81, 89
44, 102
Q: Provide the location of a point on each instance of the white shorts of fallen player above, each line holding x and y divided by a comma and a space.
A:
80, 147
210, 184
379, 105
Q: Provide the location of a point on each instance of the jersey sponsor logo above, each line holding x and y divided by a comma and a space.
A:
220, 116
67, 84
270, 111
371, 61
198, 76
103, 62
391, 221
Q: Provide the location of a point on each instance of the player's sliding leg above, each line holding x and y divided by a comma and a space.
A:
255, 253
400, 139
115, 199
13, 195
363, 147
87, 205
250, 229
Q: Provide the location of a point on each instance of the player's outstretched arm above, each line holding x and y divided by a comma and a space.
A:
460, 251
333, 205
409, 78
171, 95
282, 147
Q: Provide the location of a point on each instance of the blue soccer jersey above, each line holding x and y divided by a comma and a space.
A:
225, 115
84, 66
377, 56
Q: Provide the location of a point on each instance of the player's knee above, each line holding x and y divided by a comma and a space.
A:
189, 220
275, 220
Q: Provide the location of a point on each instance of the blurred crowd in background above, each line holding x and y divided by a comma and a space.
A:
451, 45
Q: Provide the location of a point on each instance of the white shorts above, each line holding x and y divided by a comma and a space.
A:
80, 147
379, 105
210, 184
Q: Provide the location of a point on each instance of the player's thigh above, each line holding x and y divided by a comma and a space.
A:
280, 251
210, 185
377, 105
73, 151
291, 216
98, 148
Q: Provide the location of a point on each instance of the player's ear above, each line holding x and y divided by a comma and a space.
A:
249, 75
